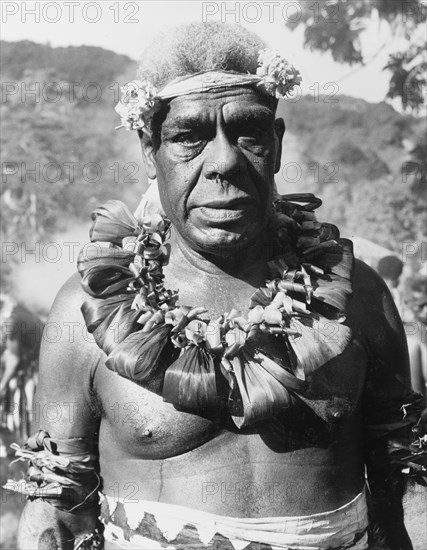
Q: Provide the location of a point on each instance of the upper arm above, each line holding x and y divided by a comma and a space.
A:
377, 324
65, 404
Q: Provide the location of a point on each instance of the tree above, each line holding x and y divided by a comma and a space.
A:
335, 26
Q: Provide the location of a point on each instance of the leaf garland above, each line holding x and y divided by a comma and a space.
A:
133, 316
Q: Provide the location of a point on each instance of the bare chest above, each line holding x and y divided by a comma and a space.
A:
217, 293
140, 424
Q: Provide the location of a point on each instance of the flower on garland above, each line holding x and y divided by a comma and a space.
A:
137, 104
279, 77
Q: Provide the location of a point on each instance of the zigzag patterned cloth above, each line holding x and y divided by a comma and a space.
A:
154, 525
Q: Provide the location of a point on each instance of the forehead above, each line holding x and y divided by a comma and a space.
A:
242, 102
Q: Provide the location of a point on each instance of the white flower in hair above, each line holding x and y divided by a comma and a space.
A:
278, 75
138, 100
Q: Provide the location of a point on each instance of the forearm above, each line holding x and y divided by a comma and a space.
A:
384, 468
62, 486
44, 527
387, 516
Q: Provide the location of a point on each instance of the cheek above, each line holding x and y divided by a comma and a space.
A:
175, 181
261, 172
260, 159
267, 164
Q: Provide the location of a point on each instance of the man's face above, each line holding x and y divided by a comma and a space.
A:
228, 134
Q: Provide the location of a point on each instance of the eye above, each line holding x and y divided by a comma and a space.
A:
254, 131
188, 139
253, 137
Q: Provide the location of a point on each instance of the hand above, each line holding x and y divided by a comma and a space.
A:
420, 428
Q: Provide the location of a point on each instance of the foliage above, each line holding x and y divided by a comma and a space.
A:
335, 26
408, 80
40, 143
61, 156
382, 161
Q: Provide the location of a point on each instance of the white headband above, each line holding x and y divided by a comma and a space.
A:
140, 100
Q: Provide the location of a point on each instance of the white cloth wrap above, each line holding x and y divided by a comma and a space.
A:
206, 81
333, 529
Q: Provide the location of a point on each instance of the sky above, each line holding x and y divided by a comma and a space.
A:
126, 27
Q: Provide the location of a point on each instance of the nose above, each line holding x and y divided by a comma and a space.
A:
224, 159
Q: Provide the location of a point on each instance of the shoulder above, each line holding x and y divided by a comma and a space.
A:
69, 299
366, 280
68, 360
69, 353
66, 326
376, 323
371, 301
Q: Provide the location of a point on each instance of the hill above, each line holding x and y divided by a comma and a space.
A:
73, 63
365, 160
61, 155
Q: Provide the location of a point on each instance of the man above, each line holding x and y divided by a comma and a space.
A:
240, 421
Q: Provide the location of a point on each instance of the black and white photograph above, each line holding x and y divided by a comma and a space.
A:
213, 275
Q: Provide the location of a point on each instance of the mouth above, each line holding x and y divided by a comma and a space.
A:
220, 210
224, 204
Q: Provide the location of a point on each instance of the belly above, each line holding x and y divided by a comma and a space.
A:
307, 462
238, 475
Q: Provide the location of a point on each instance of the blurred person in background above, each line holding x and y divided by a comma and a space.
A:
416, 331
409, 296
390, 269
21, 334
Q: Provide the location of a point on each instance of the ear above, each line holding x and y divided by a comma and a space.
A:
279, 129
147, 154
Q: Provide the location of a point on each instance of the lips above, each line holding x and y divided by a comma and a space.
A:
223, 211
224, 204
